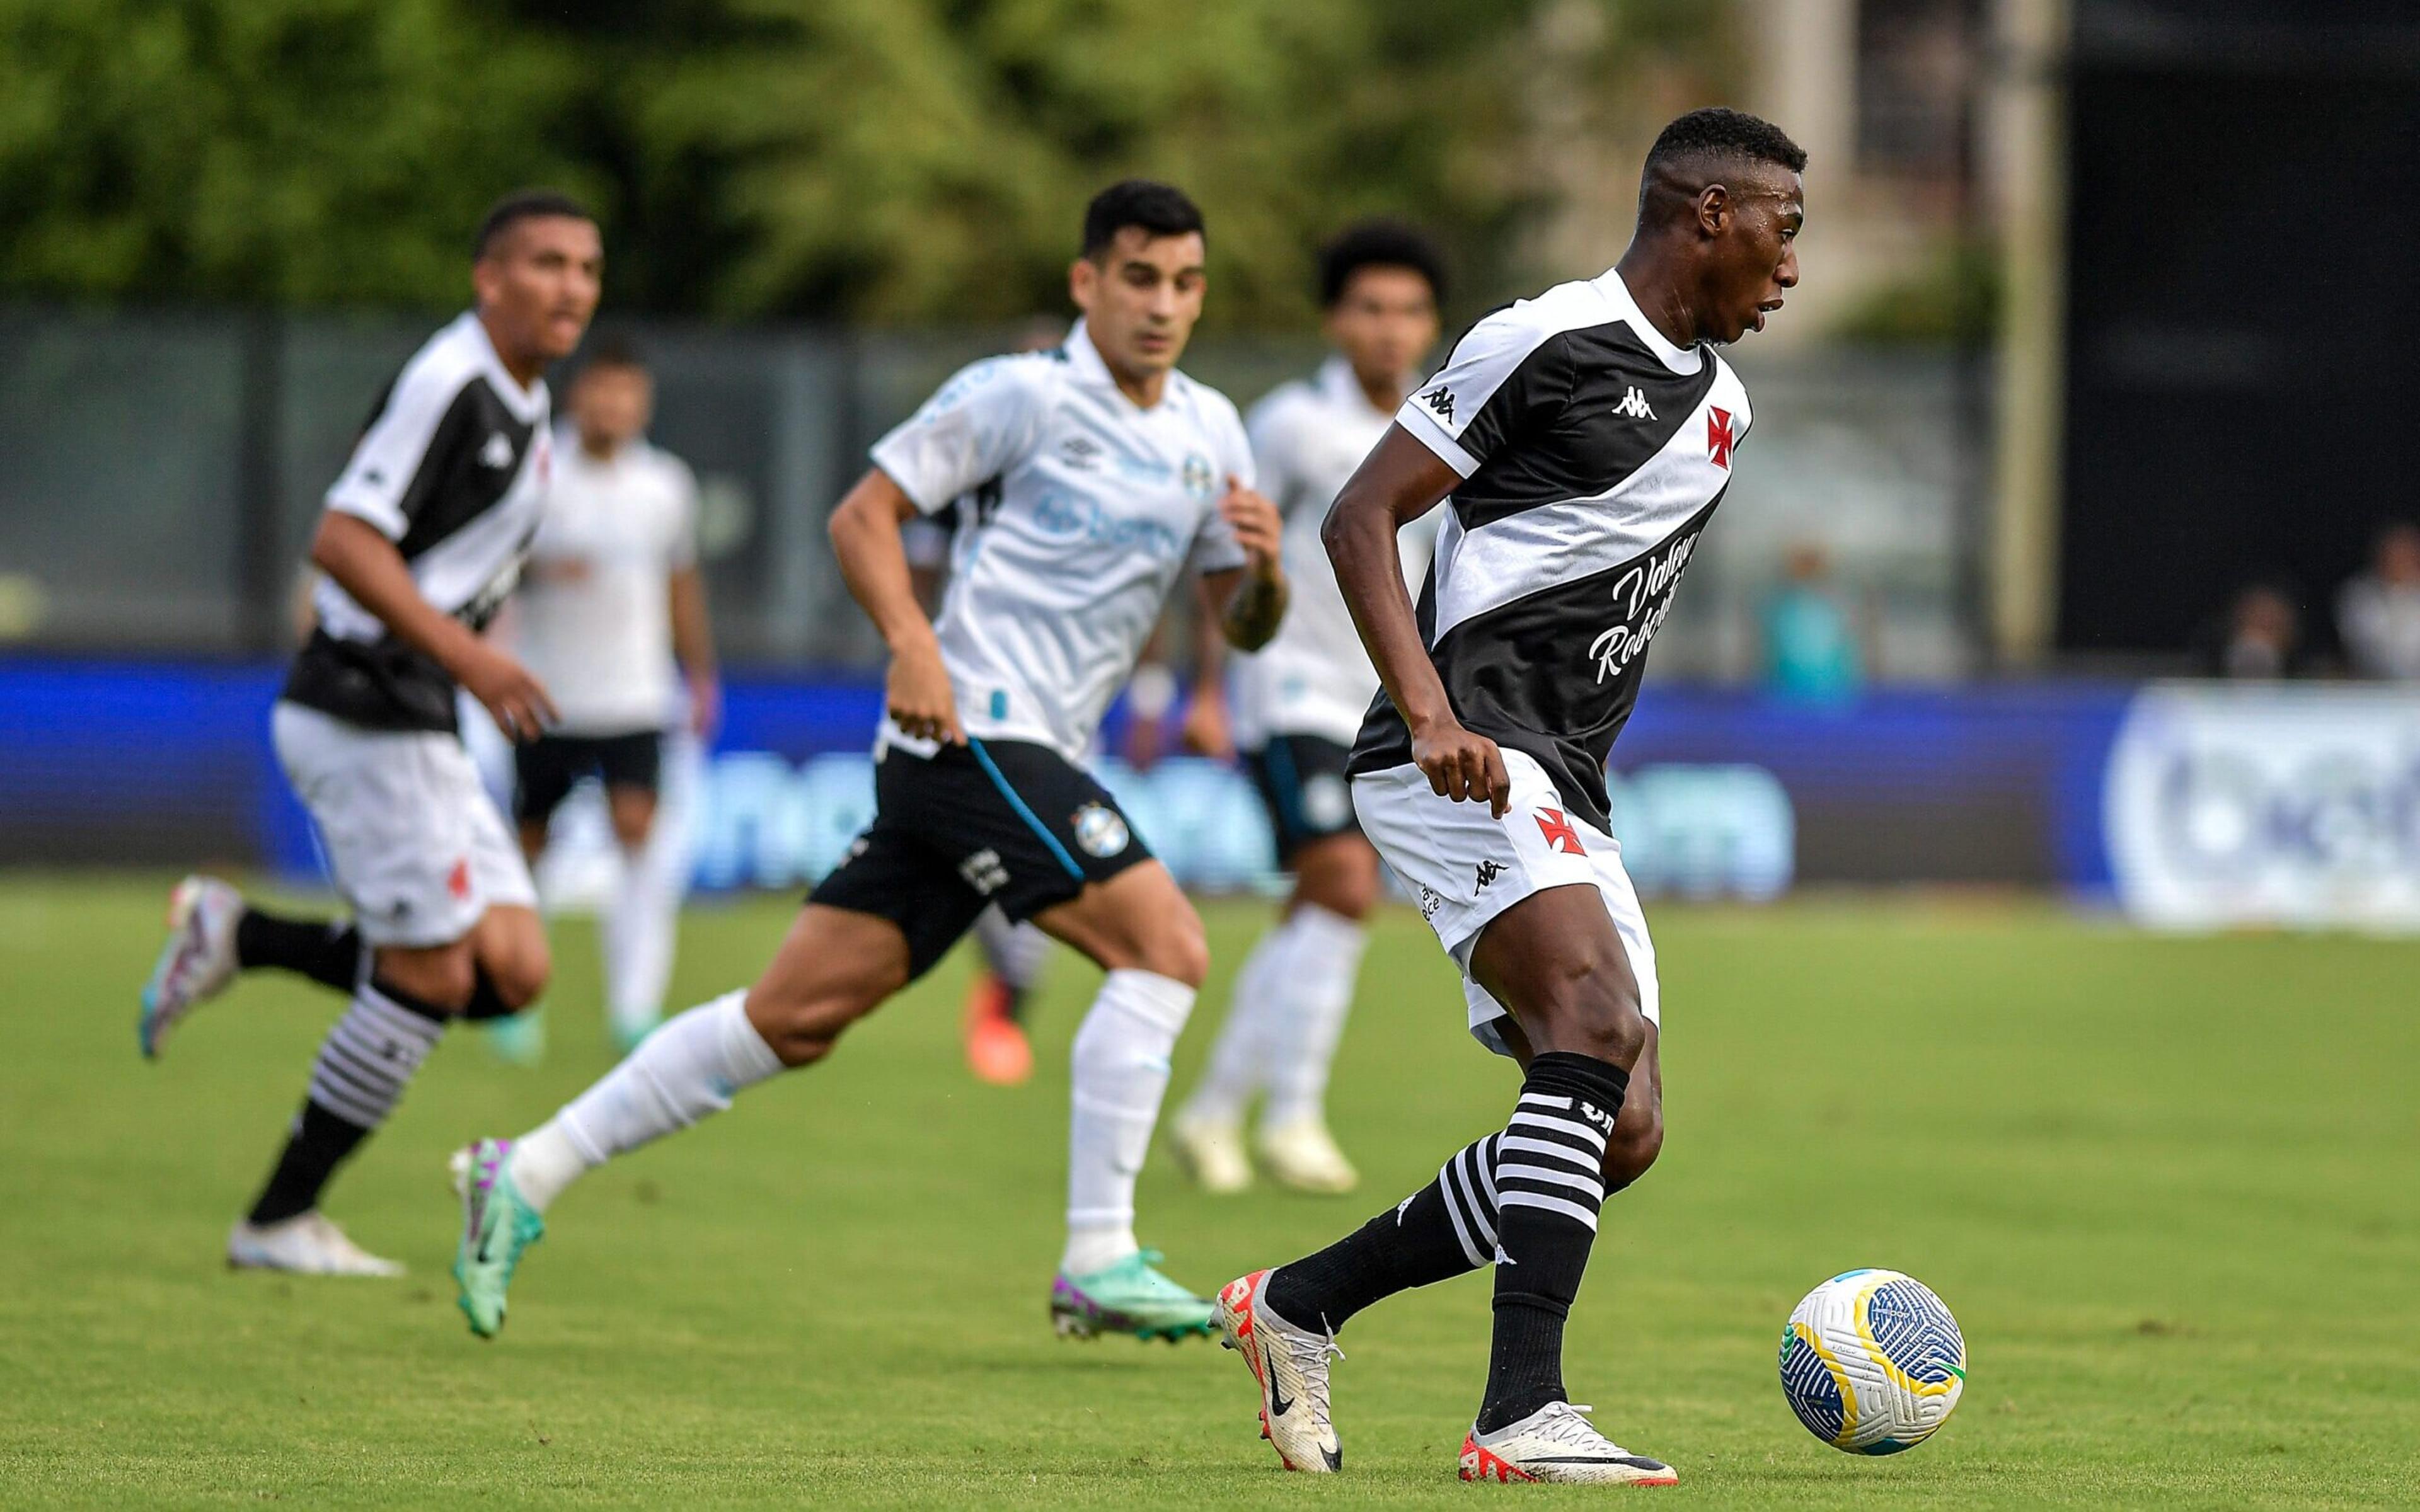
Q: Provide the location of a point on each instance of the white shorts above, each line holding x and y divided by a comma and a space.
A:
1466, 866
413, 840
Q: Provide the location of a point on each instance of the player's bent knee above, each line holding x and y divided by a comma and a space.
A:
1180, 951
443, 977
803, 1031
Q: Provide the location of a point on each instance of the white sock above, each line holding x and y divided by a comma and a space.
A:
1306, 1012
1120, 1066
687, 1068
1013, 951
637, 944
1240, 1059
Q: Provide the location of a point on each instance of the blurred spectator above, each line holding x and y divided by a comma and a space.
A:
2377, 613
2260, 637
1811, 643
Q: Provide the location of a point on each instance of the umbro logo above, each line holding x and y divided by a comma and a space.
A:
1634, 405
498, 453
1080, 453
1441, 400
1489, 872
984, 872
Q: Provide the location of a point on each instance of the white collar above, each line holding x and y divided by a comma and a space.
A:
525, 404
1617, 293
1086, 366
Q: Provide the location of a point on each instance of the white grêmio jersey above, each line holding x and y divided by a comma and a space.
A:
1314, 678
1083, 512
594, 619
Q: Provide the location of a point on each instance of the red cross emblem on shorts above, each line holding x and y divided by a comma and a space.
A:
458, 881
1558, 831
1718, 437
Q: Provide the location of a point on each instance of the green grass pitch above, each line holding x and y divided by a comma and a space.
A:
2171, 1189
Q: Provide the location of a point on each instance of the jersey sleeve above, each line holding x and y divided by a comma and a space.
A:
680, 553
398, 460
1215, 546
1507, 376
969, 432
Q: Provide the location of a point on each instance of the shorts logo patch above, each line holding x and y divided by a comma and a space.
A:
1489, 872
458, 881
1327, 802
984, 872
1100, 830
1558, 831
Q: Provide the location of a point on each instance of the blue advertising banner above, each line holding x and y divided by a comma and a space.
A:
1716, 793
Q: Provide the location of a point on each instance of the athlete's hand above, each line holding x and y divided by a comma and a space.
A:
513, 696
1464, 767
704, 707
917, 692
1260, 530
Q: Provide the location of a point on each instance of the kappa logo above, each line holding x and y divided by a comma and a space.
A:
1634, 405
1441, 400
1488, 872
1718, 437
1560, 834
984, 872
498, 453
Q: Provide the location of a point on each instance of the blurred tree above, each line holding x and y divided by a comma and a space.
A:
882, 160
289, 151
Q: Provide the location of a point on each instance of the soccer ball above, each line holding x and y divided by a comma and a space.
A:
1873, 1361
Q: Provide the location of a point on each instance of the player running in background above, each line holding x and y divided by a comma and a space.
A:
612, 617
1298, 703
1099, 475
422, 540
1582, 439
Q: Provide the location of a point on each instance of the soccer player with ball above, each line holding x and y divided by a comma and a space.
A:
1581, 440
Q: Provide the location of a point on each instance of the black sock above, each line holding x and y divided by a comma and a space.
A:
1445, 1230
328, 951
486, 1001
1549, 1182
362, 1067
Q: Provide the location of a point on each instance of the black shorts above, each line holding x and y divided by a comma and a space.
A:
547, 769
1001, 822
1302, 780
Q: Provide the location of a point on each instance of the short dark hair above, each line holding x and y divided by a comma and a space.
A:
1379, 245
611, 348
1720, 132
525, 205
1159, 209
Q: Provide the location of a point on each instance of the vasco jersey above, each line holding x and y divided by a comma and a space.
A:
1085, 509
453, 469
1314, 678
1592, 451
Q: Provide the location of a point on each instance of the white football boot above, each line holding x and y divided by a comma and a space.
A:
1290, 1364
1300, 1153
196, 962
1210, 1150
1557, 1443
307, 1244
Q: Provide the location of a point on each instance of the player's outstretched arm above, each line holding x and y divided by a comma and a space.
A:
1397, 483
366, 565
1255, 594
874, 563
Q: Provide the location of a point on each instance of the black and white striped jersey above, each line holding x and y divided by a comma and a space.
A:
453, 469
1592, 451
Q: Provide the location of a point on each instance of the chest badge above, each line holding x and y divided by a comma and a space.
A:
498, 453
1718, 437
1198, 479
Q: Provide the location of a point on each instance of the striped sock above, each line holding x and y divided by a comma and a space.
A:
1549, 1182
363, 1065
1445, 1230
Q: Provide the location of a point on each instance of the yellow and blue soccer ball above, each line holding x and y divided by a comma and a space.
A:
1872, 1363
